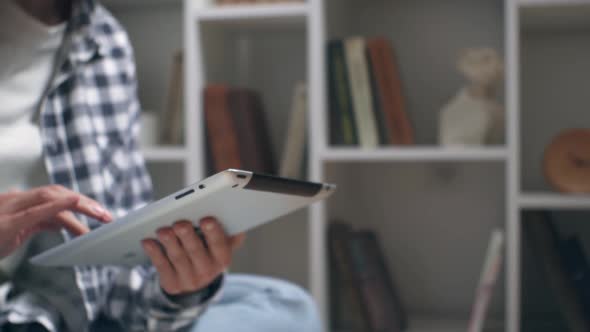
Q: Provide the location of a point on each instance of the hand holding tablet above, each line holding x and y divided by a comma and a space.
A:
186, 262
240, 201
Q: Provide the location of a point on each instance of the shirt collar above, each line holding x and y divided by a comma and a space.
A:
83, 42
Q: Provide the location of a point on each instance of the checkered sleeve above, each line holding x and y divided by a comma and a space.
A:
138, 303
134, 297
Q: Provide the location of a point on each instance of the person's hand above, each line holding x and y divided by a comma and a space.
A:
184, 262
25, 213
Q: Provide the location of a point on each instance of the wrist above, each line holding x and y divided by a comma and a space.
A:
199, 296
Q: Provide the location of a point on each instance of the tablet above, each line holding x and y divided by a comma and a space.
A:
240, 200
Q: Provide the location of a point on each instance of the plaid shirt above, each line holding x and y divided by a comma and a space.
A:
89, 124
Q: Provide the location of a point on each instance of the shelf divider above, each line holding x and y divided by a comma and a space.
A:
548, 200
416, 154
164, 153
253, 14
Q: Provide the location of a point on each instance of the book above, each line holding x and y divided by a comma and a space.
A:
346, 313
381, 302
294, 151
578, 269
259, 126
343, 129
172, 129
544, 242
360, 87
237, 132
389, 89
384, 128
242, 108
221, 133
489, 276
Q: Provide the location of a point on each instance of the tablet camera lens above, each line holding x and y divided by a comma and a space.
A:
201, 186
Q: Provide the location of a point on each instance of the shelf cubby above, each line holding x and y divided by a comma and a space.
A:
427, 38
263, 48
434, 221
555, 74
269, 62
541, 310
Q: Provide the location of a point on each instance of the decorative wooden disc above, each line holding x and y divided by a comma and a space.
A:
567, 161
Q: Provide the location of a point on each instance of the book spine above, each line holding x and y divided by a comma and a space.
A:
336, 125
262, 132
358, 73
541, 233
241, 114
383, 87
489, 276
172, 128
293, 154
576, 264
381, 302
401, 121
344, 126
383, 125
222, 135
345, 299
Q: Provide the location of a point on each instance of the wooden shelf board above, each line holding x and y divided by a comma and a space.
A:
553, 201
415, 154
284, 13
164, 153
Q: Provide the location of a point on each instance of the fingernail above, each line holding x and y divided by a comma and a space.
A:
147, 246
99, 210
208, 226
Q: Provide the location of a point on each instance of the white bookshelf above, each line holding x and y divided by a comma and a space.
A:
434, 208
547, 38
165, 154
554, 201
254, 14
551, 3
415, 154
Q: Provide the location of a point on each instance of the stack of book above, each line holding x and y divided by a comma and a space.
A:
237, 132
367, 106
238, 135
363, 296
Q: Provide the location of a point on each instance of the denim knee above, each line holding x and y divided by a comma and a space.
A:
260, 304
293, 304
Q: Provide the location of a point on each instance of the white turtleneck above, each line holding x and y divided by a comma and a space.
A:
28, 49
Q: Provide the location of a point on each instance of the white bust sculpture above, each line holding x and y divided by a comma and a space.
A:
474, 116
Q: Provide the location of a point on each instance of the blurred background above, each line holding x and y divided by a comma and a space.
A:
456, 131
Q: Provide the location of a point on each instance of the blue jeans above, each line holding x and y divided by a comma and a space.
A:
260, 304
